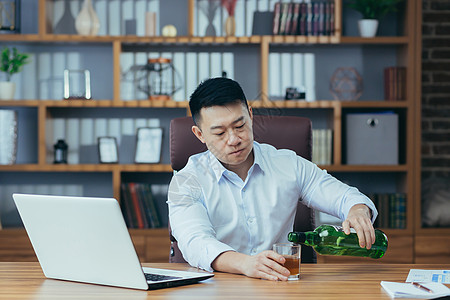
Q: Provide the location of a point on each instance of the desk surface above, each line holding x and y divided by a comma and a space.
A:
318, 281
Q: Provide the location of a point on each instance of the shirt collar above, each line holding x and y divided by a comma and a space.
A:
219, 170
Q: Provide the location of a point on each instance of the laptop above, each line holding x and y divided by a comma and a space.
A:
85, 239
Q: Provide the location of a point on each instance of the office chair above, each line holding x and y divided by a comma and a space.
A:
282, 132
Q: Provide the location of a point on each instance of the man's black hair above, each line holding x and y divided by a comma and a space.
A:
215, 91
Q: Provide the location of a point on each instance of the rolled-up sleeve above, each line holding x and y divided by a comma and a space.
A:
323, 192
190, 223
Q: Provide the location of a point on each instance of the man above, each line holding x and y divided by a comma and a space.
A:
230, 204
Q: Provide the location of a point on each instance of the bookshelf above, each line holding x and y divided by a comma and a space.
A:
394, 48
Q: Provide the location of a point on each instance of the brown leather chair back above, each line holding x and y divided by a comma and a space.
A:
282, 132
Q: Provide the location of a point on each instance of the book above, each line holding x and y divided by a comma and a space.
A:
309, 19
295, 18
126, 206
395, 83
321, 19
179, 64
373, 198
302, 26
327, 18
191, 65
322, 146
391, 210
408, 290
310, 76
228, 64
331, 18
149, 200
136, 206
315, 28
276, 18
203, 66
401, 208
283, 18
275, 89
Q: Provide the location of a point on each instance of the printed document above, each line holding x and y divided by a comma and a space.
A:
418, 275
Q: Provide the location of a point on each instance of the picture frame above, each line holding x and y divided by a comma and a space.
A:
148, 145
10, 16
107, 150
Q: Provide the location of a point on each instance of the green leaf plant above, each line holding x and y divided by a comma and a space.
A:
374, 9
12, 61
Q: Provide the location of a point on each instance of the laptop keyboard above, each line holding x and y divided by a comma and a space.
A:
157, 277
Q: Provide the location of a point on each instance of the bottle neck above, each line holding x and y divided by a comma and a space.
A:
306, 238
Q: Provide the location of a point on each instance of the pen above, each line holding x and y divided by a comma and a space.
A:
418, 285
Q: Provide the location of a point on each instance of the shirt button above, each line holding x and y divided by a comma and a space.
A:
254, 251
250, 220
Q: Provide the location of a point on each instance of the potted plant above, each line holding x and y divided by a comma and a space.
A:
372, 11
11, 62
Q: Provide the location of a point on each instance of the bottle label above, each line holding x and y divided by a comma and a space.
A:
340, 229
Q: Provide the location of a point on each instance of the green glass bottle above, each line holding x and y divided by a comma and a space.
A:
332, 240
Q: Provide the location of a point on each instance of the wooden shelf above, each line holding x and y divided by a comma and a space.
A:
97, 103
185, 104
443, 231
365, 168
217, 40
31, 103
86, 168
168, 168
394, 40
152, 245
374, 104
327, 104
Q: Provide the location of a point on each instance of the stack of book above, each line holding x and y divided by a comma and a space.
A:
322, 146
391, 210
308, 18
395, 83
138, 206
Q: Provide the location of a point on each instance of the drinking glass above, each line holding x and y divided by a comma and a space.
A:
291, 252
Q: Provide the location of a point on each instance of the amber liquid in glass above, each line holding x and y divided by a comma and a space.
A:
293, 265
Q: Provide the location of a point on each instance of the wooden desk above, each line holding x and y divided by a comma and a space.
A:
319, 281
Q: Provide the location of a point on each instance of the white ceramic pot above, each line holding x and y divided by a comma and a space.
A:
7, 90
87, 22
367, 27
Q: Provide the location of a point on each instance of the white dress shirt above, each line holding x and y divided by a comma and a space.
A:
211, 210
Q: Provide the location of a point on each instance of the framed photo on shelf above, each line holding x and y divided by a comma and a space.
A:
148, 145
107, 150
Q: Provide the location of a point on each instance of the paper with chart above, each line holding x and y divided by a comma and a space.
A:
419, 275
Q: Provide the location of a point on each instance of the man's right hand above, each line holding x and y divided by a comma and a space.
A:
265, 265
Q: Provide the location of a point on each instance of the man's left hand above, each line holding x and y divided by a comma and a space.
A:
359, 219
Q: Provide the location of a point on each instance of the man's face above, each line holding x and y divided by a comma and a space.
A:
227, 132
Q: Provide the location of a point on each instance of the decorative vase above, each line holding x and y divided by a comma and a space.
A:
7, 90
367, 27
8, 136
209, 9
230, 26
87, 22
95, 22
66, 25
